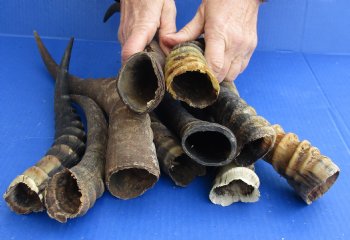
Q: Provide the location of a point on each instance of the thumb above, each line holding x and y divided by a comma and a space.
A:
137, 42
188, 33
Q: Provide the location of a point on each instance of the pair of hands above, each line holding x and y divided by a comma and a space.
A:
230, 28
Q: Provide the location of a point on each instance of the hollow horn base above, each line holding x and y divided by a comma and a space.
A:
235, 184
188, 77
306, 170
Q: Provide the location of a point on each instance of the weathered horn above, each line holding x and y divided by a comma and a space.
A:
172, 159
306, 170
209, 144
255, 136
188, 77
131, 163
72, 192
233, 184
141, 83
26, 192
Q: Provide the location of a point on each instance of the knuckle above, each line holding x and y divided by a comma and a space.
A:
216, 64
216, 23
243, 67
214, 37
141, 29
220, 24
237, 36
214, 33
201, 8
144, 31
235, 68
170, 4
120, 36
239, 39
146, 26
186, 30
253, 43
215, 29
126, 53
234, 71
232, 76
162, 38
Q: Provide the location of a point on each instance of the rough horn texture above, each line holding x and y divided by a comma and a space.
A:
255, 136
306, 170
207, 143
233, 184
141, 83
188, 77
72, 192
131, 161
172, 159
133, 167
26, 192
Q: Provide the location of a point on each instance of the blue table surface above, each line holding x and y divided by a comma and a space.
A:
307, 94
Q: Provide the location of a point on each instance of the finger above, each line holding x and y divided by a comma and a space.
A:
121, 36
189, 32
235, 70
244, 64
137, 42
215, 54
167, 22
225, 69
248, 56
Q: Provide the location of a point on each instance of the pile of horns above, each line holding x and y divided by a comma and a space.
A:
195, 125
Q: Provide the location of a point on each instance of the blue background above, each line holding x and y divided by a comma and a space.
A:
299, 77
320, 26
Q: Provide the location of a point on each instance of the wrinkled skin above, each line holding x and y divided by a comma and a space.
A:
140, 21
230, 28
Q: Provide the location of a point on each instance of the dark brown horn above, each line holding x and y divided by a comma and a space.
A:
72, 192
26, 192
209, 144
131, 163
255, 136
141, 83
114, 8
172, 159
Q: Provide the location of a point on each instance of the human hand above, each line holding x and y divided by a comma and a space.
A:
140, 20
230, 32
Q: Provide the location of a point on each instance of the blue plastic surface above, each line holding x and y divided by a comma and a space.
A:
298, 25
327, 25
307, 94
